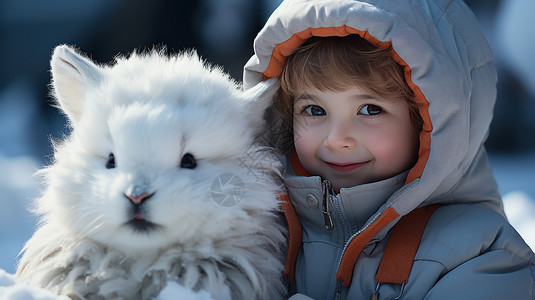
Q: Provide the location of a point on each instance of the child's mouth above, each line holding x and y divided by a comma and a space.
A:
344, 167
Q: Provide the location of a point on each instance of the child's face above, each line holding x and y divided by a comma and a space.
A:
352, 137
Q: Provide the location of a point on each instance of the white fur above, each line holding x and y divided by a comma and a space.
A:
149, 110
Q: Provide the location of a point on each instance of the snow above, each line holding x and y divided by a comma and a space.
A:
176, 291
515, 175
12, 291
520, 210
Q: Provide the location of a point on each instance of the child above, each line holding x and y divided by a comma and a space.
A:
382, 115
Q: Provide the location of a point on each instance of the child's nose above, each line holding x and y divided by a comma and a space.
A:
340, 137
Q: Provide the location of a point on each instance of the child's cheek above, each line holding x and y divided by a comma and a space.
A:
304, 141
394, 151
300, 129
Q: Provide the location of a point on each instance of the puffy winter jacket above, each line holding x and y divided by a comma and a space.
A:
468, 249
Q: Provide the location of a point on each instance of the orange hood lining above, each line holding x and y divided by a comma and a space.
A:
286, 48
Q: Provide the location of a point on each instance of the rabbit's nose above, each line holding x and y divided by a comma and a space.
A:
137, 194
138, 199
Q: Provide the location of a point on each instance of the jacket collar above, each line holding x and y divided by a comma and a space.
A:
358, 203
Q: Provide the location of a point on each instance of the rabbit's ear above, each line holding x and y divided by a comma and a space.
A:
72, 76
258, 99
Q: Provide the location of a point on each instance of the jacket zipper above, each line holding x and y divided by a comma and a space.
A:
329, 225
338, 211
327, 191
337, 204
354, 236
338, 292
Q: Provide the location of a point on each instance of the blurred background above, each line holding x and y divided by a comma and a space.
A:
222, 31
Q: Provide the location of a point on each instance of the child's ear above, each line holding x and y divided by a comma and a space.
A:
72, 76
259, 98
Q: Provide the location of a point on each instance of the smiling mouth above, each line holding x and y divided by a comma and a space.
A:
344, 167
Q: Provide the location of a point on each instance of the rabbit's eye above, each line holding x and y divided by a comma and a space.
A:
110, 164
188, 161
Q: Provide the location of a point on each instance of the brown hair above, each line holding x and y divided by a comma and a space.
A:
336, 63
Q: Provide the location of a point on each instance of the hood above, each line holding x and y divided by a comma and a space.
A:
447, 63
449, 66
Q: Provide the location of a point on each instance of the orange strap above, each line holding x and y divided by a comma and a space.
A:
398, 257
347, 265
402, 245
295, 236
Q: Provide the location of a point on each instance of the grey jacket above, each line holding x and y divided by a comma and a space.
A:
468, 249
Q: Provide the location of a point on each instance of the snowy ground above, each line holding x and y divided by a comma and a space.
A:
515, 175
11, 291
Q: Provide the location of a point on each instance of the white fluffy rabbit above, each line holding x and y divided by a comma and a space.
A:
159, 180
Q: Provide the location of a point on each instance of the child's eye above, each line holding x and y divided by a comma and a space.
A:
314, 110
370, 110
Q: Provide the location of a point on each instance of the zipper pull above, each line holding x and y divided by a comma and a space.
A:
327, 188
